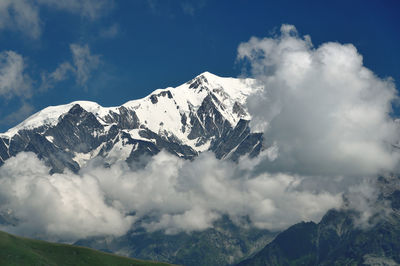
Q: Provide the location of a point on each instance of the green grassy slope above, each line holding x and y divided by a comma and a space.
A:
22, 251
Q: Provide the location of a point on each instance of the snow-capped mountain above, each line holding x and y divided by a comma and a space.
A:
206, 113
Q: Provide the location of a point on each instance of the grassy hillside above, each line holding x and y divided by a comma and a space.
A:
22, 251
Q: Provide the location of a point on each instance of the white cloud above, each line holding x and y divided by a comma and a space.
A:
169, 8
56, 206
24, 15
84, 62
82, 65
20, 15
13, 79
325, 111
15, 83
366, 200
91, 9
179, 195
49, 80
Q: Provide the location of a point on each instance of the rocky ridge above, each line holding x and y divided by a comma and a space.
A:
206, 113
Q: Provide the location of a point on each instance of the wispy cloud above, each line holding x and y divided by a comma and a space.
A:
91, 9
84, 61
13, 79
49, 80
82, 65
16, 83
192, 7
24, 15
16, 86
170, 8
23, 112
20, 15
110, 32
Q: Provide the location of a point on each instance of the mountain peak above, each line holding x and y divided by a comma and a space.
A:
209, 76
162, 107
206, 113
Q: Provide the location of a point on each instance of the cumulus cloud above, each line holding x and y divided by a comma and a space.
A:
82, 65
327, 114
177, 195
13, 79
56, 206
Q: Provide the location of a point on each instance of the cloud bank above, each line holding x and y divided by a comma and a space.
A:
178, 195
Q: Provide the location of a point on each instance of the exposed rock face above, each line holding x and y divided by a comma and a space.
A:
207, 113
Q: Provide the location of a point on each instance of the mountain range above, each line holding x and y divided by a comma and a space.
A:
208, 113
205, 114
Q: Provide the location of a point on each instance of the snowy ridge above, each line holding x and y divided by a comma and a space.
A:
49, 116
165, 114
202, 114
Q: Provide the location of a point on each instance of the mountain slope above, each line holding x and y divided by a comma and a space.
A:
22, 251
206, 113
338, 239
223, 244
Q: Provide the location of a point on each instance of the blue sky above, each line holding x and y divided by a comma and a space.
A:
54, 52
